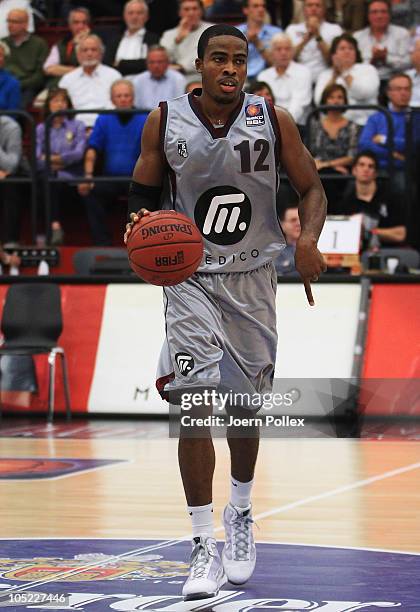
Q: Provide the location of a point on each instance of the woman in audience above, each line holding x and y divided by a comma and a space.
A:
67, 146
333, 142
361, 81
261, 88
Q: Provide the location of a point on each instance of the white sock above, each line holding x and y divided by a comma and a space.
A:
202, 520
240, 493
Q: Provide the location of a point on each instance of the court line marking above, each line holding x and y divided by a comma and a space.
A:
115, 463
343, 489
165, 544
273, 542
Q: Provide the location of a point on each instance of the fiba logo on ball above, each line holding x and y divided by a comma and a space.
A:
223, 214
185, 363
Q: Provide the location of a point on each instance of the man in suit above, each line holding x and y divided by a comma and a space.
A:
127, 52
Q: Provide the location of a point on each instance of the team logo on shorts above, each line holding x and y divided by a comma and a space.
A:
254, 115
223, 214
185, 363
182, 148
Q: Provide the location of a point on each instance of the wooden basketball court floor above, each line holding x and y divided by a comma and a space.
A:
95, 512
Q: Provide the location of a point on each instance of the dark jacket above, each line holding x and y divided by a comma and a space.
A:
127, 66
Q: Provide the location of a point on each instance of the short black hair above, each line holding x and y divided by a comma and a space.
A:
220, 29
289, 206
368, 154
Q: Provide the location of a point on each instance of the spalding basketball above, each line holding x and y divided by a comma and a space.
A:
165, 248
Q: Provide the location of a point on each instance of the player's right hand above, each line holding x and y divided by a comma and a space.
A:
310, 264
135, 218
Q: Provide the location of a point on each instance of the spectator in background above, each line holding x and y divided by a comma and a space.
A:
222, 8
8, 259
159, 82
9, 86
312, 39
333, 144
10, 159
89, 85
193, 84
181, 42
116, 138
374, 136
9, 5
128, 52
260, 88
361, 81
383, 44
27, 55
62, 57
259, 34
290, 225
290, 82
414, 74
383, 221
67, 140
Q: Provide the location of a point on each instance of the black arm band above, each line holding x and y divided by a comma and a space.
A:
143, 196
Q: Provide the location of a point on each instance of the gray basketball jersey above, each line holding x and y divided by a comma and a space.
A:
226, 180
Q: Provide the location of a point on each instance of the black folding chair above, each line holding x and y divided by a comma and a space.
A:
31, 324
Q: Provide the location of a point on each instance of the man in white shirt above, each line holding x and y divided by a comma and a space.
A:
414, 73
181, 42
159, 83
128, 51
289, 81
9, 5
383, 44
312, 39
89, 85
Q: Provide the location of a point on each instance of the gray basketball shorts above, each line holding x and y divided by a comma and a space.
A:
220, 333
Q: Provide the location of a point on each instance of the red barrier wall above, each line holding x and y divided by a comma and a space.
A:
392, 351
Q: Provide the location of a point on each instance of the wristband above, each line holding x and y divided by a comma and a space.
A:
143, 196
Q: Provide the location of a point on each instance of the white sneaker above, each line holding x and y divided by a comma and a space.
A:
239, 555
206, 570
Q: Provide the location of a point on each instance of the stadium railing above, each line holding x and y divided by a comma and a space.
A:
49, 178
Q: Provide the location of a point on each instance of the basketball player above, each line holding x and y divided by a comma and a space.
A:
221, 149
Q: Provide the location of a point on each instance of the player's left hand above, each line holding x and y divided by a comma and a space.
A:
309, 263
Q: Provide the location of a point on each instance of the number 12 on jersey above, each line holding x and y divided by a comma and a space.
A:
261, 147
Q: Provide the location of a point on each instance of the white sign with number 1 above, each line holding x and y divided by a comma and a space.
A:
341, 235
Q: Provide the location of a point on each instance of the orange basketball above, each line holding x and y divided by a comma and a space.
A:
165, 248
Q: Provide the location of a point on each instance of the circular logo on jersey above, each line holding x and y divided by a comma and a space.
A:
223, 214
253, 110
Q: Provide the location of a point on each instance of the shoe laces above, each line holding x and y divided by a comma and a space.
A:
241, 523
200, 557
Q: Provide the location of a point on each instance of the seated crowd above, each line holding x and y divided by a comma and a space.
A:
298, 60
